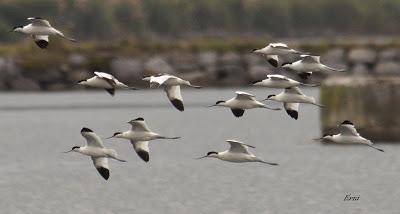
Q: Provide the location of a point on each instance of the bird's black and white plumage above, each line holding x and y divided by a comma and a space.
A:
139, 136
241, 102
348, 135
275, 51
238, 152
172, 86
309, 64
40, 30
293, 95
96, 150
280, 81
105, 81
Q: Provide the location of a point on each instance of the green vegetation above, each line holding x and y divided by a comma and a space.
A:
122, 19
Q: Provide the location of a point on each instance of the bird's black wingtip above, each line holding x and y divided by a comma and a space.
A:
347, 122
84, 129
293, 114
178, 104
42, 44
144, 155
104, 172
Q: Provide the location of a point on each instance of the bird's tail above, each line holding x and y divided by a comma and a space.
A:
171, 138
269, 163
370, 145
271, 108
310, 85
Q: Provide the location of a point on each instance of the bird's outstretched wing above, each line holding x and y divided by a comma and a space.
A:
240, 95
239, 147
347, 128
139, 125
174, 95
159, 80
310, 59
142, 149
92, 139
37, 21
292, 109
41, 40
279, 45
110, 79
101, 165
278, 77
293, 90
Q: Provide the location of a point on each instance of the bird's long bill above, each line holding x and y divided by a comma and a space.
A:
201, 157
68, 151
266, 99
211, 106
108, 137
318, 139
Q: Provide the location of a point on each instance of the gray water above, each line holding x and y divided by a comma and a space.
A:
36, 177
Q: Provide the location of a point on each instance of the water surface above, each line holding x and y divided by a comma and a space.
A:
311, 178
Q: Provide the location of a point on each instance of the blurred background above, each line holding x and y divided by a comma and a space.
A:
209, 43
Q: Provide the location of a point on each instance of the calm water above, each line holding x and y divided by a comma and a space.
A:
35, 177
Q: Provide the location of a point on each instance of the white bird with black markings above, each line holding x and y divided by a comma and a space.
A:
40, 30
280, 81
172, 86
105, 81
309, 64
140, 135
274, 51
241, 102
293, 95
348, 135
237, 153
96, 150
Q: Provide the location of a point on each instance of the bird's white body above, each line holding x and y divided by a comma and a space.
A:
105, 81
241, 102
309, 64
139, 136
40, 30
96, 150
171, 86
293, 95
276, 49
279, 81
348, 135
237, 153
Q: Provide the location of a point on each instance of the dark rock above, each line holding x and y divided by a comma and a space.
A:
24, 84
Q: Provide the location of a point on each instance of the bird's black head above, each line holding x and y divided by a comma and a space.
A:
212, 152
347, 122
254, 49
271, 95
257, 81
75, 147
116, 133
84, 129
80, 81
138, 119
218, 102
286, 63
325, 135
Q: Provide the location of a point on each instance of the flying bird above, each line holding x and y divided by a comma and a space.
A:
105, 81
96, 150
348, 135
293, 95
241, 102
40, 30
280, 81
172, 86
140, 135
274, 51
309, 64
237, 153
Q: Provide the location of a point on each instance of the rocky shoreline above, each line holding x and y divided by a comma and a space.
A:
208, 68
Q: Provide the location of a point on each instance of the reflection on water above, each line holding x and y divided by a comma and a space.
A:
38, 178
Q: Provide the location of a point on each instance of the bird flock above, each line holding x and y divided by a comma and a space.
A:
140, 134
